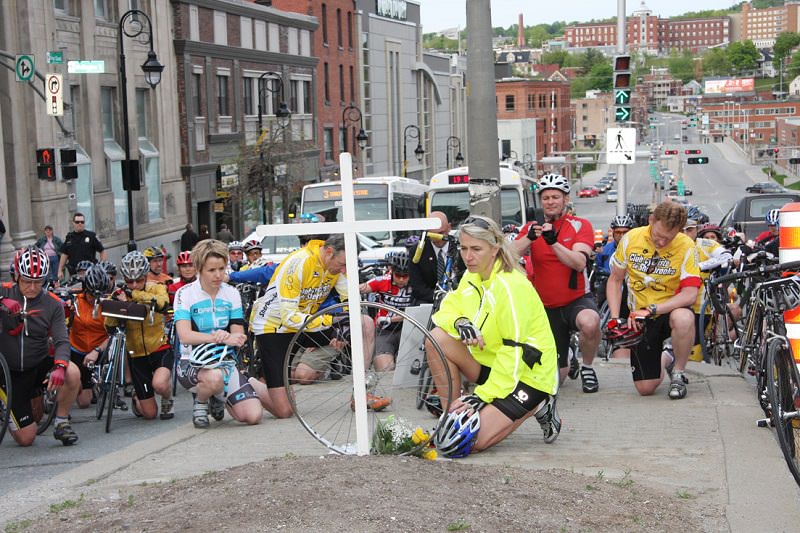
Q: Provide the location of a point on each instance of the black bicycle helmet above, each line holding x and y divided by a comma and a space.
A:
96, 281
398, 261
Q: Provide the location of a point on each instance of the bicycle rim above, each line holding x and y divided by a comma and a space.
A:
425, 384
5, 396
113, 384
784, 392
325, 408
49, 408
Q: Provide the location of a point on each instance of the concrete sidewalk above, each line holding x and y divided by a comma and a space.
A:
706, 447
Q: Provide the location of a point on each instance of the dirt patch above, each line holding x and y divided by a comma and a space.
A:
381, 494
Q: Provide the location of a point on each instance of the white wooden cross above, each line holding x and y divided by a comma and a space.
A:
349, 226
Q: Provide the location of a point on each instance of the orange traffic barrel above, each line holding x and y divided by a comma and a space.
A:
598, 236
789, 250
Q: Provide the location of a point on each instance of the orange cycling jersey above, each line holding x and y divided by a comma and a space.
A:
86, 333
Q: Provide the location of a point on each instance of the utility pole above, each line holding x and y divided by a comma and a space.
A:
622, 198
484, 160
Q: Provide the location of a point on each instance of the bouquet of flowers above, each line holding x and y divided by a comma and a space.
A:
394, 436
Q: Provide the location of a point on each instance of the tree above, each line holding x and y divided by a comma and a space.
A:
537, 35
601, 76
793, 68
559, 57
784, 44
743, 55
682, 66
716, 63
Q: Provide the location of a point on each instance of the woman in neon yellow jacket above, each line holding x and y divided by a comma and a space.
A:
493, 329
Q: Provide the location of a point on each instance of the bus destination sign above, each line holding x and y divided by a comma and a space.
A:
458, 179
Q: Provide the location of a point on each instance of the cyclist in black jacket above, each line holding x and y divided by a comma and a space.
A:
30, 317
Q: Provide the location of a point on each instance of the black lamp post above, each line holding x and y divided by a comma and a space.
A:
352, 114
152, 74
283, 114
418, 151
454, 142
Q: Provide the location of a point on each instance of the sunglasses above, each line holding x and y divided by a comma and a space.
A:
475, 221
79, 221
401, 275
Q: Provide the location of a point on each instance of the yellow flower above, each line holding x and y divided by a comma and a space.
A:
430, 455
419, 436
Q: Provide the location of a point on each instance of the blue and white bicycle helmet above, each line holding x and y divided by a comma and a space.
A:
212, 355
457, 435
772, 217
554, 181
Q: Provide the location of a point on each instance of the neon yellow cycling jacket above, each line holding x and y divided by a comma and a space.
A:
519, 344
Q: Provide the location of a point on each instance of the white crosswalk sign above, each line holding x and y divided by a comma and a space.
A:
621, 146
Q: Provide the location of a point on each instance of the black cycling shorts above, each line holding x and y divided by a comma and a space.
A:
522, 400
272, 349
86, 374
143, 368
25, 386
646, 356
562, 323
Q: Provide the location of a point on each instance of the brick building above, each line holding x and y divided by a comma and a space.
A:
545, 100
336, 45
762, 26
748, 122
237, 62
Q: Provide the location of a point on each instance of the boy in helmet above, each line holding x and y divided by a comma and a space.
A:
392, 289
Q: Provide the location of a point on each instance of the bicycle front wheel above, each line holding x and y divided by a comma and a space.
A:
115, 362
783, 383
48, 410
5, 396
325, 407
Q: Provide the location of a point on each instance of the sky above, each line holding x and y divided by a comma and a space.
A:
442, 14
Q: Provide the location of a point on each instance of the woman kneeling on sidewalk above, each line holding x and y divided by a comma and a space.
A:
493, 329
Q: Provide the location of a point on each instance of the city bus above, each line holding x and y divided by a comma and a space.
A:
448, 192
376, 198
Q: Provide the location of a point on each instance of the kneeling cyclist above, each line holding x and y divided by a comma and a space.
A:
151, 358
31, 319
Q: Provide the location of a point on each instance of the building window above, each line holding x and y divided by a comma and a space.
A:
326, 82
142, 107
246, 32
107, 101
352, 85
350, 30
101, 9
247, 96
222, 96
509, 102
306, 96
149, 156
531, 101
220, 28
197, 91
324, 17
327, 140
294, 97
341, 83
339, 27
63, 7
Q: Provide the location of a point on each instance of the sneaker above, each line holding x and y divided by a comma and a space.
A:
574, 367
200, 415
120, 404
167, 409
65, 434
217, 408
374, 402
128, 388
677, 386
549, 420
434, 405
589, 379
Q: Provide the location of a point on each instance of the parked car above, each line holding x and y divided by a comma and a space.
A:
764, 187
747, 215
588, 192
686, 190
612, 195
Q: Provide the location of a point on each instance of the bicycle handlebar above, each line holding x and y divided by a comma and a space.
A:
760, 271
430, 235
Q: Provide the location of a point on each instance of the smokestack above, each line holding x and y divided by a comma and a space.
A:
521, 33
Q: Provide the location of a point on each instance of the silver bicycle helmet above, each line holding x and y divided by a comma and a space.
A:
235, 245
457, 435
211, 355
134, 265
772, 217
622, 221
32, 263
554, 181
398, 261
96, 281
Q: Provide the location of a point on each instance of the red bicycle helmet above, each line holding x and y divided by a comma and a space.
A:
32, 263
620, 335
184, 258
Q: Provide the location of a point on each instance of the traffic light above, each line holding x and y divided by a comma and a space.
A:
775, 152
622, 88
69, 171
697, 160
670, 152
794, 160
692, 151
46, 164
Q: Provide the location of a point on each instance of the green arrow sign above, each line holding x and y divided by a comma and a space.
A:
681, 189
622, 96
622, 114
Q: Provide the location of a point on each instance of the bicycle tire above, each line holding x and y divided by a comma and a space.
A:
325, 410
784, 393
425, 384
113, 384
49, 406
5, 396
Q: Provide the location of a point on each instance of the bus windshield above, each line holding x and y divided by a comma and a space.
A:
455, 204
371, 203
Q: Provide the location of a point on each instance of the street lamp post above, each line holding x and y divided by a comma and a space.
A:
283, 114
418, 151
152, 74
454, 142
352, 114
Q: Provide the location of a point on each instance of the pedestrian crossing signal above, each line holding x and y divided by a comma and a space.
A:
698, 161
46, 164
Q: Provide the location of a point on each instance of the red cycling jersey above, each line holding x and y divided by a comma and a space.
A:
551, 277
390, 293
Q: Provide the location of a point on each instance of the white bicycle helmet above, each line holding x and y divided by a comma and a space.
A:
235, 245
252, 244
554, 181
781, 294
458, 433
212, 355
32, 263
134, 265
622, 221
772, 217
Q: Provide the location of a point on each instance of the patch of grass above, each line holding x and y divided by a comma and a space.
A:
458, 525
130, 500
91, 481
66, 504
590, 487
625, 481
684, 494
14, 527
600, 475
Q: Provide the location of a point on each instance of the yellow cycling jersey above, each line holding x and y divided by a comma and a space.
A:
297, 288
654, 276
143, 338
705, 250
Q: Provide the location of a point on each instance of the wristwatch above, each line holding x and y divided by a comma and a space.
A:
652, 309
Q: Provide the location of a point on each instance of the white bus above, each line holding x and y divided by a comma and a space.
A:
378, 198
449, 193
